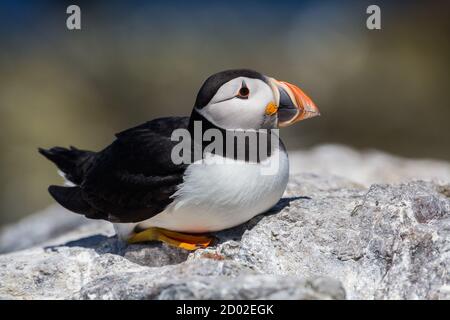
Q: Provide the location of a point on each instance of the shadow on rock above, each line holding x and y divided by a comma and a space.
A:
151, 254
236, 233
155, 254
100, 243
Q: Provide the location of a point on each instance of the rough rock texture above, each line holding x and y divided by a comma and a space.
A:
328, 238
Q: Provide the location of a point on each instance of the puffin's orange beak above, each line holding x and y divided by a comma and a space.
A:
293, 104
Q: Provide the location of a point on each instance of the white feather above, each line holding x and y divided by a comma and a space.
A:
67, 182
219, 196
223, 108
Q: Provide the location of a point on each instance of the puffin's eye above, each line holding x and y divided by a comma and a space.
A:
243, 93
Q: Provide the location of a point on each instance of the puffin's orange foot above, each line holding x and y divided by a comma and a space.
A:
173, 238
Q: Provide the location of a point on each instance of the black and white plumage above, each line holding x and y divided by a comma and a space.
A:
135, 184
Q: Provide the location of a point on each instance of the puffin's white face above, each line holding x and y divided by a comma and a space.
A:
246, 99
241, 103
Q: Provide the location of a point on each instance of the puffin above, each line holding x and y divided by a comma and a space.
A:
139, 183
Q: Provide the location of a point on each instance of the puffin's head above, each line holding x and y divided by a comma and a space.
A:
246, 99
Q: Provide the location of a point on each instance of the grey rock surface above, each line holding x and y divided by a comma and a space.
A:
39, 227
328, 238
366, 167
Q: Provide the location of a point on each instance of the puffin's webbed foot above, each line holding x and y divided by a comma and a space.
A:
173, 238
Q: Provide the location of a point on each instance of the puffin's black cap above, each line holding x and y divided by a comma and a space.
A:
214, 82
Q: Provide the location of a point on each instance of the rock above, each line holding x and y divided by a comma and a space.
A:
208, 279
40, 227
327, 238
366, 167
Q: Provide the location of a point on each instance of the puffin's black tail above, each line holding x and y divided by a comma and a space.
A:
72, 199
73, 162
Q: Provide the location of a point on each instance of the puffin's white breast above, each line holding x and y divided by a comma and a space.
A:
216, 196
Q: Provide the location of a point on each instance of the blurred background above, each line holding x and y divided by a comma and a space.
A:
136, 60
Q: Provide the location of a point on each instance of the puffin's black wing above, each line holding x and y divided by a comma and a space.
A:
132, 179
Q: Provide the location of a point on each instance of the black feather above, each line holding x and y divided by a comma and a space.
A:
131, 180
73, 162
71, 198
